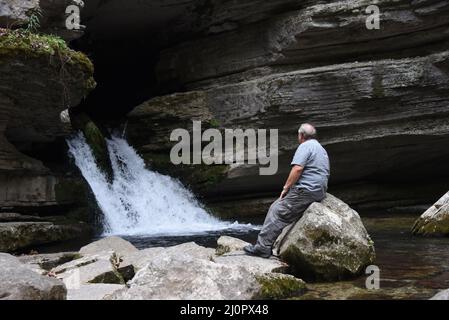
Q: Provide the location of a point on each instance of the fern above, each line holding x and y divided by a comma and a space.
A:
34, 22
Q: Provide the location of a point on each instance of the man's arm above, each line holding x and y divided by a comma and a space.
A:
295, 174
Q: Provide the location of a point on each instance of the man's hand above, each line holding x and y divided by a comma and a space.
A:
283, 193
294, 175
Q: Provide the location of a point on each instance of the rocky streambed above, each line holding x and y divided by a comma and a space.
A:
114, 269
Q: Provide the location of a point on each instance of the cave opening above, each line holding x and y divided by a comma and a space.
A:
124, 72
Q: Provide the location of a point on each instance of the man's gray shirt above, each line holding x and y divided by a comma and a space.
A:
314, 159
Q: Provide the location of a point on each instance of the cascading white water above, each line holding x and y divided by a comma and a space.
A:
140, 201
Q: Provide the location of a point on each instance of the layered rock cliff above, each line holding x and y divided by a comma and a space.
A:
379, 98
41, 77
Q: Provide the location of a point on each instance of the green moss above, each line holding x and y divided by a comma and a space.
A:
95, 139
97, 142
199, 176
113, 277
279, 286
221, 250
77, 256
28, 44
437, 227
214, 123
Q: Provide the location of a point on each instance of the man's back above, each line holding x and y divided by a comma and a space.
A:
314, 159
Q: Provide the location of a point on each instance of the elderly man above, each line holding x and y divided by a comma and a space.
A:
306, 183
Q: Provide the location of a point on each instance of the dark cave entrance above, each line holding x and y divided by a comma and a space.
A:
124, 72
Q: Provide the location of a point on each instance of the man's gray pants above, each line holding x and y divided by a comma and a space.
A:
282, 213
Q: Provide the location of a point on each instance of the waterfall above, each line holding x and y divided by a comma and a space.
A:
140, 201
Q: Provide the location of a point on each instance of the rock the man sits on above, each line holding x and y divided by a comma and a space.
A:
306, 183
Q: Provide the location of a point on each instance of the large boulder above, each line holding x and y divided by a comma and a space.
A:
329, 242
185, 277
135, 261
435, 221
18, 282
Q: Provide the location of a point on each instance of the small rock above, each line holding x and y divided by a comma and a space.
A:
227, 244
18, 282
120, 246
280, 286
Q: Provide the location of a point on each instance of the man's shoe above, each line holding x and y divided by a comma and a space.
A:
253, 251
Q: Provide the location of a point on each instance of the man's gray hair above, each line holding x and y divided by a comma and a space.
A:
307, 130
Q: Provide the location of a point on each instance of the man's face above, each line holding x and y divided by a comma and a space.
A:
300, 138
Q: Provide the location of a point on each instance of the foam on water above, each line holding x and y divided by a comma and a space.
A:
140, 201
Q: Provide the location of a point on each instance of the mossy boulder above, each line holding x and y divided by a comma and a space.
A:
95, 138
435, 221
329, 242
30, 45
226, 244
275, 286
